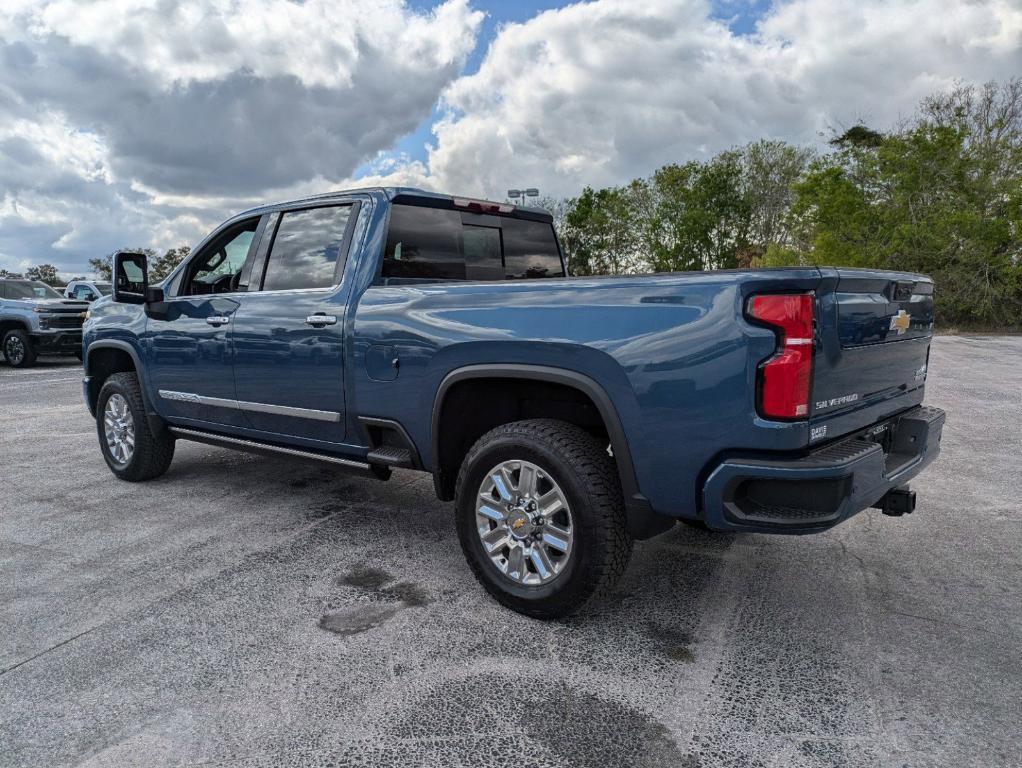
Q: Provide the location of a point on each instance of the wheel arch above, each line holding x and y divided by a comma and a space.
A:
17, 324
643, 522
106, 357
13, 324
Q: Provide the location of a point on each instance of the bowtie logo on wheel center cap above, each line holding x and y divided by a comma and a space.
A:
519, 524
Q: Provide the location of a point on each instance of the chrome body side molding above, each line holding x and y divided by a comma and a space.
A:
241, 405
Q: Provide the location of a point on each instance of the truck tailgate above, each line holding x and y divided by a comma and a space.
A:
873, 346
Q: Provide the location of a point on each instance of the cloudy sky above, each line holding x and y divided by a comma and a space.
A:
147, 122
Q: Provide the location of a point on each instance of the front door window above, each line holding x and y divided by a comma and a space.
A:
220, 267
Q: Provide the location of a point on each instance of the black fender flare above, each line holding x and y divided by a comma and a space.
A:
156, 422
13, 323
643, 522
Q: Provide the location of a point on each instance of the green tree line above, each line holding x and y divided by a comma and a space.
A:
940, 194
159, 266
102, 267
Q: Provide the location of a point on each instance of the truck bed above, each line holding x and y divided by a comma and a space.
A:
675, 353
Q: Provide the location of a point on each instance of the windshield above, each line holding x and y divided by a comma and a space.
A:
103, 288
29, 289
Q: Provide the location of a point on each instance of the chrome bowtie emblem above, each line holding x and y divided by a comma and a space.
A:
901, 321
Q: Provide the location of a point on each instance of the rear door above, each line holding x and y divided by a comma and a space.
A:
875, 329
289, 335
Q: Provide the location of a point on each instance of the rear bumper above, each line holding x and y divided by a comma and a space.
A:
817, 491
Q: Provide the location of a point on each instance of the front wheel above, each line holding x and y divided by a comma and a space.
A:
540, 517
18, 349
131, 449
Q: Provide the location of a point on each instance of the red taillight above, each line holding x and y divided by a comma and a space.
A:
784, 378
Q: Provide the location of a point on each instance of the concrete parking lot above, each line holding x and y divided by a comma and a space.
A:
245, 610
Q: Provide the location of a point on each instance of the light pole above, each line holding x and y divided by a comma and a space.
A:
522, 194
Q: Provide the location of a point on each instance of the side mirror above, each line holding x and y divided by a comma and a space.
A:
131, 277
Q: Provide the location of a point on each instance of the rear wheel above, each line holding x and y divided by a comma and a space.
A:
18, 349
131, 449
541, 518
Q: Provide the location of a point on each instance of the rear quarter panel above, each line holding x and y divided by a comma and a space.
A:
672, 352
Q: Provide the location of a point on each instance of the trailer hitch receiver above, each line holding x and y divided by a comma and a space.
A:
897, 502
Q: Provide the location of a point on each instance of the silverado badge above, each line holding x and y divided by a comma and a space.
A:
901, 321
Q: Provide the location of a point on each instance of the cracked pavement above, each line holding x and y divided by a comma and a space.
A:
251, 611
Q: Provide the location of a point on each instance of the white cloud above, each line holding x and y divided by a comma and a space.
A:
602, 92
60, 145
134, 122
319, 42
141, 121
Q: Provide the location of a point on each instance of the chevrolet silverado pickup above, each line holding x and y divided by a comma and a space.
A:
565, 416
35, 320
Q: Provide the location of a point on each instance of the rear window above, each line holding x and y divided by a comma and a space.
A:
432, 244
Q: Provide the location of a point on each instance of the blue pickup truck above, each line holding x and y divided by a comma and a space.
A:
566, 416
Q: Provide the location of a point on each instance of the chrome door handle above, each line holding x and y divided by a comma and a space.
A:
321, 320
218, 320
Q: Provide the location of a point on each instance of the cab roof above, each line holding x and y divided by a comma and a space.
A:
409, 195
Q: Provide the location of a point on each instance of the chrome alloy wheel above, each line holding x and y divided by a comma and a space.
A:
524, 523
119, 429
14, 350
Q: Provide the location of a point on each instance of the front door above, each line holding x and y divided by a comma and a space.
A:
289, 336
189, 336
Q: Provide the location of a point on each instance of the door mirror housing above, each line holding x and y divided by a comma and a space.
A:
131, 277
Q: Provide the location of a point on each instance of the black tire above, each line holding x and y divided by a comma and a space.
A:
152, 452
588, 478
18, 349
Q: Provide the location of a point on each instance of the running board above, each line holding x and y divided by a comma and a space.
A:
253, 446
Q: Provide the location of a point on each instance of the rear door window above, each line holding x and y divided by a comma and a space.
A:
306, 250
435, 244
